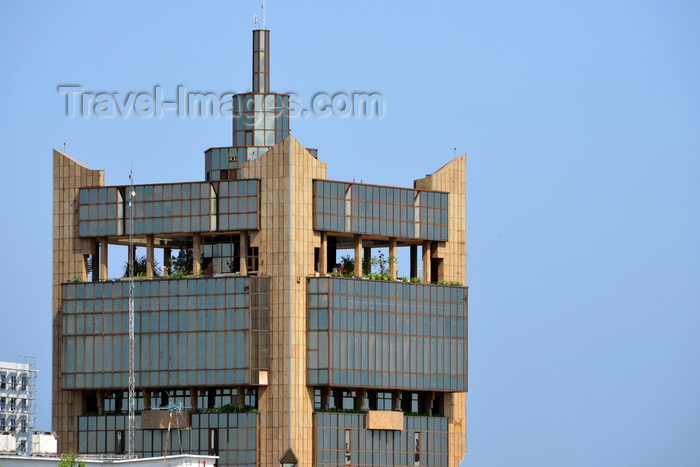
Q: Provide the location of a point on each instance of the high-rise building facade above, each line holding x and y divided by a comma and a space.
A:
266, 346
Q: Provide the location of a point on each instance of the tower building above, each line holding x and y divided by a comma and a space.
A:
263, 330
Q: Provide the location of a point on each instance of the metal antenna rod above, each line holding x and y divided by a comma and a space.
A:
263, 14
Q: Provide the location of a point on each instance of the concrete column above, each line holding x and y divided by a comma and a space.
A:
241, 397
149, 256
429, 402
325, 398
104, 256
167, 261
95, 260
323, 254
392, 257
395, 400
194, 393
331, 251
359, 398
244, 253
358, 255
196, 254
414, 261
426, 260
367, 259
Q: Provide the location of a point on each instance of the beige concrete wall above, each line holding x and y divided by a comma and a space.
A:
452, 178
68, 251
286, 242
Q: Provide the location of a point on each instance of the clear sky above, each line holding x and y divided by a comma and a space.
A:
581, 121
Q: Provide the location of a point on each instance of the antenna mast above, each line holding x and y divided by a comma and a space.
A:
263, 14
132, 398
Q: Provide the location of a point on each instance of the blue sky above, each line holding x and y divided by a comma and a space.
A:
581, 121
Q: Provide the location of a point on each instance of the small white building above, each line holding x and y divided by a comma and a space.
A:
44, 443
181, 460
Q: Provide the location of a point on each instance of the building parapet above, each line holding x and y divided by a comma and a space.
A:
169, 209
356, 208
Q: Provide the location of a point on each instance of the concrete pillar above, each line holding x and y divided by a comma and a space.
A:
367, 259
240, 392
149, 256
392, 257
395, 400
358, 255
244, 253
414, 261
323, 254
194, 399
95, 261
429, 403
196, 254
360, 395
426, 260
104, 256
325, 398
167, 261
331, 253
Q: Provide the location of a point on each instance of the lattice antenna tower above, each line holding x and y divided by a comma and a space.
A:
132, 398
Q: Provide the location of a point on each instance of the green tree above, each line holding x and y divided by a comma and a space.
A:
71, 460
181, 265
140, 268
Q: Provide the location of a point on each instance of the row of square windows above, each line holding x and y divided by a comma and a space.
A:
172, 288
386, 304
175, 193
391, 354
10, 382
109, 380
160, 352
387, 380
387, 289
393, 212
11, 424
162, 322
213, 441
12, 404
388, 323
116, 402
380, 194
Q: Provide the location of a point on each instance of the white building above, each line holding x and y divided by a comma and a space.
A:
17, 396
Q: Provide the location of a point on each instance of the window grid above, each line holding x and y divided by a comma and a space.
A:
200, 326
170, 208
378, 210
101, 212
378, 334
379, 447
99, 434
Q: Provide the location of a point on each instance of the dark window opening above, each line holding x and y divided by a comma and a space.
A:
91, 402
119, 443
213, 442
251, 397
